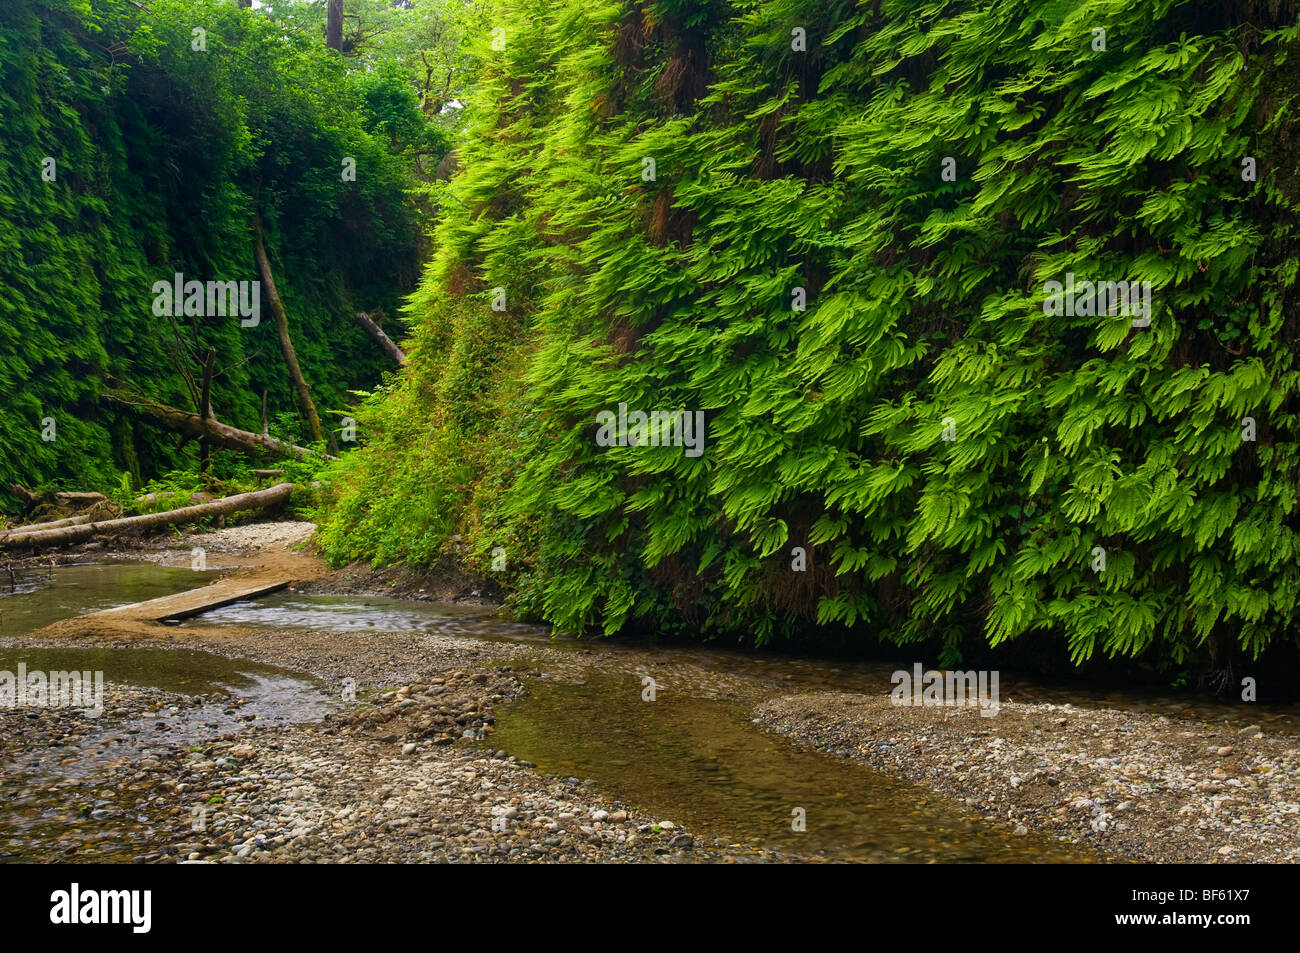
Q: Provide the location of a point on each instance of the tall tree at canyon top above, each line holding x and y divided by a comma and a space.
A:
334, 24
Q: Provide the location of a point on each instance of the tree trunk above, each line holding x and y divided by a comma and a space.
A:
286, 345
383, 340
428, 82
205, 408
218, 434
447, 166
258, 499
334, 25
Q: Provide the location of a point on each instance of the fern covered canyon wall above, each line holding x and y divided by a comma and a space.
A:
833, 229
141, 144
963, 325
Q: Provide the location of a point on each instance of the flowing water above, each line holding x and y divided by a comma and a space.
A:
304, 610
309, 610
702, 764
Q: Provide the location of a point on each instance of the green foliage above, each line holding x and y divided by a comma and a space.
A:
821, 169
177, 488
124, 492
164, 155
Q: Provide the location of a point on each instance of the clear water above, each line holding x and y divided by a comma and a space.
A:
687, 757
290, 609
701, 763
39, 597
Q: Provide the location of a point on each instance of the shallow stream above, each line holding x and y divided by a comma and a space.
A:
695, 758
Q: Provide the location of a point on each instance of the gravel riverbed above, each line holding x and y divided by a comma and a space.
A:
1147, 787
405, 770
406, 775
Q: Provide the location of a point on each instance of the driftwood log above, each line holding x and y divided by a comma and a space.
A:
62, 536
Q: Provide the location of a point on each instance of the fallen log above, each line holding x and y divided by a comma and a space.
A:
76, 500
383, 340
79, 499
24, 494
41, 527
168, 496
216, 433
258, 499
